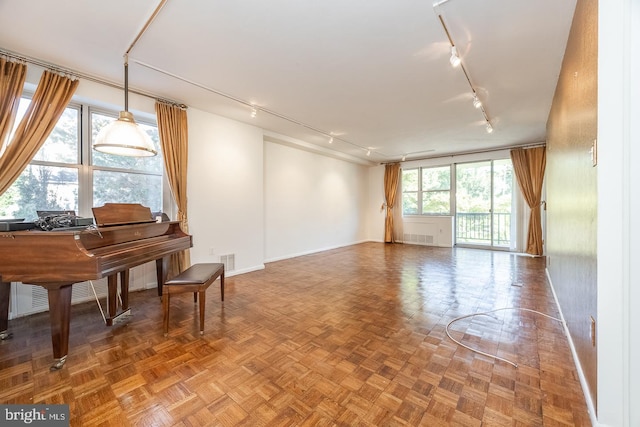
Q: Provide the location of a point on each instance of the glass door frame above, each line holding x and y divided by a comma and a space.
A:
492, 237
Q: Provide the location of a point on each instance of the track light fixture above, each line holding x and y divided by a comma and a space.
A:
489, 128
331, 140
454, 59
368, 153
254, 112
476, 101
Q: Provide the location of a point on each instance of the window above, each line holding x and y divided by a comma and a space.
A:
410, 191
426, 191
121, 179
66, 174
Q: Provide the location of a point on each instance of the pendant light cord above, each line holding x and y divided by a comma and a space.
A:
126, 82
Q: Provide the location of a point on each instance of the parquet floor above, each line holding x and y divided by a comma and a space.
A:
348, 337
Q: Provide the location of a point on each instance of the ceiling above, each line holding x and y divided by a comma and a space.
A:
374, 74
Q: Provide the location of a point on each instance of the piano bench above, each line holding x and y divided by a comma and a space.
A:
196, 279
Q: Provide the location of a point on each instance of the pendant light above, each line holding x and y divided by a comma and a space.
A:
123, 136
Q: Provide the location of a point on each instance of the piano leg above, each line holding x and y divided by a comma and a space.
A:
124, 289
60, 315
162, 266
112, 298
5, 290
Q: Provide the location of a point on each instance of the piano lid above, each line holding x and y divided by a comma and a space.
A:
121, 214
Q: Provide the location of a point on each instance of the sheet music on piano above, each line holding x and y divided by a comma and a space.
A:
121, 213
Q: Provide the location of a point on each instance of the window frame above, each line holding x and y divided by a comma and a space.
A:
421, 191
84, 166
165, 202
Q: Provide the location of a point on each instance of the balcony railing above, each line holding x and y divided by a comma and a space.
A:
475, 228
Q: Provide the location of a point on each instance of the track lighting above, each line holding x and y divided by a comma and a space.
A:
368, 153
456, 62
254, 112
454, 59
404, 157
476, 101
331, 140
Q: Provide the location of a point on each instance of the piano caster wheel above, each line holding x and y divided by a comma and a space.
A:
4, 335
59, 363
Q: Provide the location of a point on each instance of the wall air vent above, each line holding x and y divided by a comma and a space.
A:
418, 239
229, 262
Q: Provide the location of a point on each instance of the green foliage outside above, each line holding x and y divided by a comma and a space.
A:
435, 186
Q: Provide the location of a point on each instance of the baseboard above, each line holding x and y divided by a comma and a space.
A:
244, 270
314, 251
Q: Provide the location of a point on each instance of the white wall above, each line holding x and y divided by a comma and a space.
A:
618, 210
225, 191
312, 202
376, 215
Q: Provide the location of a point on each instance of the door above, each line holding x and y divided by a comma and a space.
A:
483, 203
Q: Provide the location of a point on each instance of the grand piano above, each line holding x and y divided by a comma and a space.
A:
125, 236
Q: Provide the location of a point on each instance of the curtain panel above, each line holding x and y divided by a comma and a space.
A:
398, 225
174, 136
49, 101
391, 178
12, 77
529, 166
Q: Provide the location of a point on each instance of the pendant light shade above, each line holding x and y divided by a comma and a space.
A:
123, 136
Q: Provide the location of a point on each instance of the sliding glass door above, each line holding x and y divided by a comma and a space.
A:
483, 203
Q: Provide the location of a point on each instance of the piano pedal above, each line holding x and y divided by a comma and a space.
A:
122, 317
4, 335
58, 364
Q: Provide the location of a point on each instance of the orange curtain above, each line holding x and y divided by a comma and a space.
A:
174, 137
391, 178
47, 105
529, 165
12, 77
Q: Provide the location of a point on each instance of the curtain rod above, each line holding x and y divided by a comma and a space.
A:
78, 74
489, 150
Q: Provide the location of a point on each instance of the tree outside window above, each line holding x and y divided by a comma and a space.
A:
426, 191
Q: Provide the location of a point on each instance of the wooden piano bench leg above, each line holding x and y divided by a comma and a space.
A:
201, 310
222, 284
165, 312
196, 279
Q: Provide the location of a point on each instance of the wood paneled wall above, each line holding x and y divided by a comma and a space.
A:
572, 187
